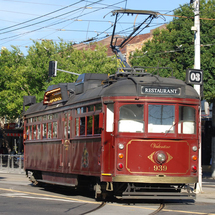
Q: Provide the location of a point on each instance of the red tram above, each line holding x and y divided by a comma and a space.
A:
130, 135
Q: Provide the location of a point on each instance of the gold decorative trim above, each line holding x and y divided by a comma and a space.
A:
150, 157
155, 179
169, 158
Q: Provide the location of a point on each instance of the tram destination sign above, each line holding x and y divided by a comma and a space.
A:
161, 90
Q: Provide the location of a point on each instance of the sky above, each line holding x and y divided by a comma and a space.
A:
25, 21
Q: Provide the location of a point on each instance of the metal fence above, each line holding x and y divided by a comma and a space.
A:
12, 163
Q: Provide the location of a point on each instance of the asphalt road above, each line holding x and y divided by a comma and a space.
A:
18, 196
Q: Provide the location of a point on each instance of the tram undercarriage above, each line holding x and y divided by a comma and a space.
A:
144, 191
119, 190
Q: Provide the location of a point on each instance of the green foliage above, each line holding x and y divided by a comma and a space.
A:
22, 76
174, 47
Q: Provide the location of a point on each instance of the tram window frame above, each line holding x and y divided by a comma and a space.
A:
110, 117
38, 131
34, 133
169, 128
35, 127
55, 132
49, 130
129, 119
67, 124
27, 131
190, 124
85, 121
44, 130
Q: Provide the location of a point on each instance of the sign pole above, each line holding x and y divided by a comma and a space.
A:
197, 65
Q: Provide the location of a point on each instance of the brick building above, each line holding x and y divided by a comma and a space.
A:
136, 43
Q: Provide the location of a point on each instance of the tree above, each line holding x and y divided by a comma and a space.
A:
174, 47
22, 76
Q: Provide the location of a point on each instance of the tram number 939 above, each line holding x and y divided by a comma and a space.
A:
160, 168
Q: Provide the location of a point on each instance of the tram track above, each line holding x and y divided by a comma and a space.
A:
95, 209
161, 207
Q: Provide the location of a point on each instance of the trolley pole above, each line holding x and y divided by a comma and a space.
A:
197, 65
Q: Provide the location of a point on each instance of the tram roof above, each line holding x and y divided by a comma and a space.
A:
93, 86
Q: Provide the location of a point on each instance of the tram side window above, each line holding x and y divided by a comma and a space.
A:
30, 132
65, 126
55, 129
27, 132
44, 130
69, 125
109, 118
82, 125
186, 120
77, 126
161, 119
131, 118
49, 130
89, 125
97, 130
38, 131
34, 132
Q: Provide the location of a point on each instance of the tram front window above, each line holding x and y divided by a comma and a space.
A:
187, 122
131, 118
161, 119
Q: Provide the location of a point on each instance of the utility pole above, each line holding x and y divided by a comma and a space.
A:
197, 65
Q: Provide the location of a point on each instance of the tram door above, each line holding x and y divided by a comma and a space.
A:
108, 143
65, 147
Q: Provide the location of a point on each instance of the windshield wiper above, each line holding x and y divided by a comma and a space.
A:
170, 128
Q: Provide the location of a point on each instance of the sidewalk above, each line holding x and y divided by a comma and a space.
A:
208, 189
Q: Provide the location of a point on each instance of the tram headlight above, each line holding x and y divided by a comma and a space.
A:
194, 148
121, 146
160, 157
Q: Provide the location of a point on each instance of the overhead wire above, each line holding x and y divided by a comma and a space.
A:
41, 17
106, 6
33, 3
20, 35
47, 25
95, 38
